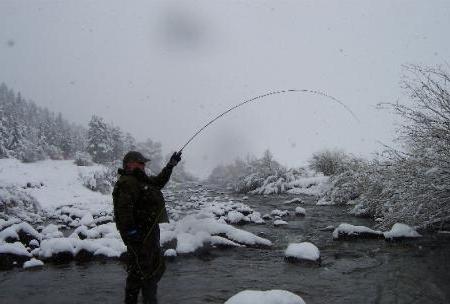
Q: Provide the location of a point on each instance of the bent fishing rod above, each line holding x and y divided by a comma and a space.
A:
314, 92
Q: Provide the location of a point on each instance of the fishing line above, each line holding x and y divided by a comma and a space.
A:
264, 96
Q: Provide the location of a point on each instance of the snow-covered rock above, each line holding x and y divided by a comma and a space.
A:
87, 219
65, 249
194, 231
401, 231
256, 218
347, 231
33, 263
16, 248
300, 211
170, 253
266, 217
277, 223
265, 297
305, 251
51, 231
235, 217
12, 254
21, 231
279, 213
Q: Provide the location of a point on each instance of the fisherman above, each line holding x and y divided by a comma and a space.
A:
139, 207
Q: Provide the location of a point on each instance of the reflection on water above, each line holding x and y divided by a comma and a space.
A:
363, 271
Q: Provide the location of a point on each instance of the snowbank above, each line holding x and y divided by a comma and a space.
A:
400, 231
53, 183
302, 251
265, 297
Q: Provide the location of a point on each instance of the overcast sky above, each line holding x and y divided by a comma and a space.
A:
162, 69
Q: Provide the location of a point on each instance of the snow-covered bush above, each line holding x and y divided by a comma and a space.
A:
350, 183
15, 202
328, 162
410, 186
266, 176
101, 179
53, 152
83, 159
29, 152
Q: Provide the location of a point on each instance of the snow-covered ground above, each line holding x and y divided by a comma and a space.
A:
51, 184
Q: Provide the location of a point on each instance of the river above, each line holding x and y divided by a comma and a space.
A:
360, 271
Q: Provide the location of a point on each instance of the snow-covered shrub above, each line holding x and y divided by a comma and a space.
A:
53, 152
15, 202
83, 159
29, 152
410, 186
350, 183
328, 162
101, 179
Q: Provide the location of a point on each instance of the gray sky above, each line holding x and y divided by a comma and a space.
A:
162, 69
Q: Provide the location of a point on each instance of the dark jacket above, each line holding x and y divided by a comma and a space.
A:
138, 201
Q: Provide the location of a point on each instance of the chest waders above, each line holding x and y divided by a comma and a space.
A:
145, 276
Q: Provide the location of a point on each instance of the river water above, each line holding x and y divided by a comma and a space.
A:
360, 271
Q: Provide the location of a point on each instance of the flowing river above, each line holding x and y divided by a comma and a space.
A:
359, 271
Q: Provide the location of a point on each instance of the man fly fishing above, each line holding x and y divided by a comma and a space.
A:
139, 207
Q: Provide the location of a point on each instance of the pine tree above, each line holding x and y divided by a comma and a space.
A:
100, 145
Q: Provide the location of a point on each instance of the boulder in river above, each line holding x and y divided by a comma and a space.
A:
302, 252
277, 223
349, 232
265, 297
401, 231
300, 211
12, 254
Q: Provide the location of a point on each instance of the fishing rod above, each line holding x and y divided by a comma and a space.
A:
314, 92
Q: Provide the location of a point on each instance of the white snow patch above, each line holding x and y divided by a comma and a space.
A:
170, 253
279, 223
400, 230
265, 297
351, 230
279, 213
51, 231
300, 211
16, 248
87, 219
235, 217
303, 251
33, 263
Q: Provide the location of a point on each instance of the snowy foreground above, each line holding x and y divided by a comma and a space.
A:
51, 216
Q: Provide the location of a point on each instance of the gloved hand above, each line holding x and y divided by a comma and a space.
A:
175, 159
134, 236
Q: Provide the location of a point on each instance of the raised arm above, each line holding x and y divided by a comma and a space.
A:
163, 177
